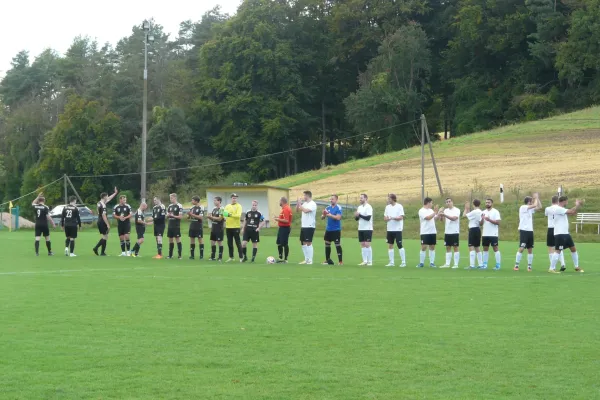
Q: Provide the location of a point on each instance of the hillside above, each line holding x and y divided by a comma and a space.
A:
539, 155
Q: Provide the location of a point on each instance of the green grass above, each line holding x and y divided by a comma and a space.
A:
585, 119
114, 328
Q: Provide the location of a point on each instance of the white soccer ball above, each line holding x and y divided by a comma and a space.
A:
270, 260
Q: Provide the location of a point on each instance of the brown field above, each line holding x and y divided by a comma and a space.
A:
540, 162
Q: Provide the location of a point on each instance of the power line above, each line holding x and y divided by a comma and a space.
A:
243, 159
30, 193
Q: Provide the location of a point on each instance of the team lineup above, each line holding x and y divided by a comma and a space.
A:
227, 223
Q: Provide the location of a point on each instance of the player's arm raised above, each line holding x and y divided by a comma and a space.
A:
112, 196
36, 201
574, 210
467, 210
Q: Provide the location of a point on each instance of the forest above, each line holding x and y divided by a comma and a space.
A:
285, 86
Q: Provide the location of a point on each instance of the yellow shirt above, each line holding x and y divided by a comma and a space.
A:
235, 213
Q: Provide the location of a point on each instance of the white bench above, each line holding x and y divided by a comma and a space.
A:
587, 218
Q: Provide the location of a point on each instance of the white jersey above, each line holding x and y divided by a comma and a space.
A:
526, 218
363, 224
549, 212
427, 226
452, 227
474, 218
309, 218
394, 211
489, 229
561, 221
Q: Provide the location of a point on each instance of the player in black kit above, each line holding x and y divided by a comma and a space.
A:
216, 231
140, 228
174, 214
70, 222
103, 225
196, 215
122, 213
42, 216
250, 230
159, 212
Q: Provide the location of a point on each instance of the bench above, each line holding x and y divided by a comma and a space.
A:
587, 218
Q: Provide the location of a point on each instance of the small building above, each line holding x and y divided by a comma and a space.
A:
267, 197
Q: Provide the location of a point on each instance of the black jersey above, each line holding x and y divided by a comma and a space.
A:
41, 214
70, 216
139, 218
253, 219
217, 226
175, 209
122, 210
196, 210
158, 214
101, 211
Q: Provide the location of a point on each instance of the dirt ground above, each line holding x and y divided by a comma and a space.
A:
540, 164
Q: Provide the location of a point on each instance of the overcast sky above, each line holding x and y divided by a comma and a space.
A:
35, 25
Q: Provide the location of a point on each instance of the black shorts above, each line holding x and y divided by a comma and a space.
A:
216, 236
488, 241
307, 234
550, 237
196, 231
174, 232
365, 236
526, 239
429, 239
562, 242
42, 230
451, 240
283, 235
71, 232
140, 230
159, 230
475, 237
124, 228
251, 235
102, 227
333, 237
395, 237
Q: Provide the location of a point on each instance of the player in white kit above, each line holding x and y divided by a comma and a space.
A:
394, 216
364, 216
549, 213
451, 217
526, 211
427, 217
562, 238
474, 218
491, 222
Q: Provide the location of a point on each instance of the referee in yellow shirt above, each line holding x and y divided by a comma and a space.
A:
232, 214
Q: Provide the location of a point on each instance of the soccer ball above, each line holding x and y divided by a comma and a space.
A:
270, 260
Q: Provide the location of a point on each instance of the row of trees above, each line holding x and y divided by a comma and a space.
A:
287, 74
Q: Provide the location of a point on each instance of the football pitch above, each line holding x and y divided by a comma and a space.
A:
125, 328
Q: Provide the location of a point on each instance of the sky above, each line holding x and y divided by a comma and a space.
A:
36, 25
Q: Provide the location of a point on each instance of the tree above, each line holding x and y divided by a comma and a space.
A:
393, 89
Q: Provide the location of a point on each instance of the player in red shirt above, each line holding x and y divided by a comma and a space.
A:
283, 234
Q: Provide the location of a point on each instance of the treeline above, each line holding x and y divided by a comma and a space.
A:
287, 74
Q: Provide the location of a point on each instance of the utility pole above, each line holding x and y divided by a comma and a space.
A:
148, 38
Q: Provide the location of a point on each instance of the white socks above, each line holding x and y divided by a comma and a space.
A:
402, 255
575, 257
310, 251
391, 256
498, 258
422, 257
486, 257
553, 261
456, 258
529, 259
369, 255
305, 252
432, 256
479, 259
448, 258
561, 257
518, 259
472, 258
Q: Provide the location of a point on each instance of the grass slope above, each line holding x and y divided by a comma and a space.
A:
536, 155
114, 328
